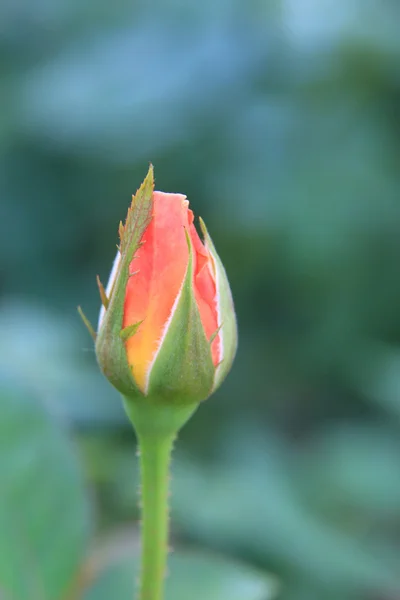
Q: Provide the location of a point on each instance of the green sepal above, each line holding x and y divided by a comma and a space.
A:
228, 326
214, 335
103, 296
129, 331
110, 346
87, 323
183, 370
152, 419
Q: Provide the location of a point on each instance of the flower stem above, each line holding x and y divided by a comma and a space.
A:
155, 457
156, 426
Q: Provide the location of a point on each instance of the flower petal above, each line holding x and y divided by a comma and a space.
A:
157, 273
206, 293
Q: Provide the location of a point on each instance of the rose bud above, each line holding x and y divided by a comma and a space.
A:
167, 328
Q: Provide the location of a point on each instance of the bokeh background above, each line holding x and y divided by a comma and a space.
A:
280, 120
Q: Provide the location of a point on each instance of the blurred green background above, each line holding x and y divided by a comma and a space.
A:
280, 120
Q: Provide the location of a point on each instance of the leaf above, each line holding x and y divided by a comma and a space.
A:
199, 576
277, 521
193, 575
43, 512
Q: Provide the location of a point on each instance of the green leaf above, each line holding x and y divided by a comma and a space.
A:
193, 575
44, 520
277, 520
199, 576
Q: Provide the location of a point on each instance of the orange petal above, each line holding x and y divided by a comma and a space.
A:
206, 293
157, 272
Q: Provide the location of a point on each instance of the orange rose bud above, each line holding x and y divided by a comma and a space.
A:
167, 328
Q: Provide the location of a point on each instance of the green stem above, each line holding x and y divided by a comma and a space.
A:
156, 426
155, 457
